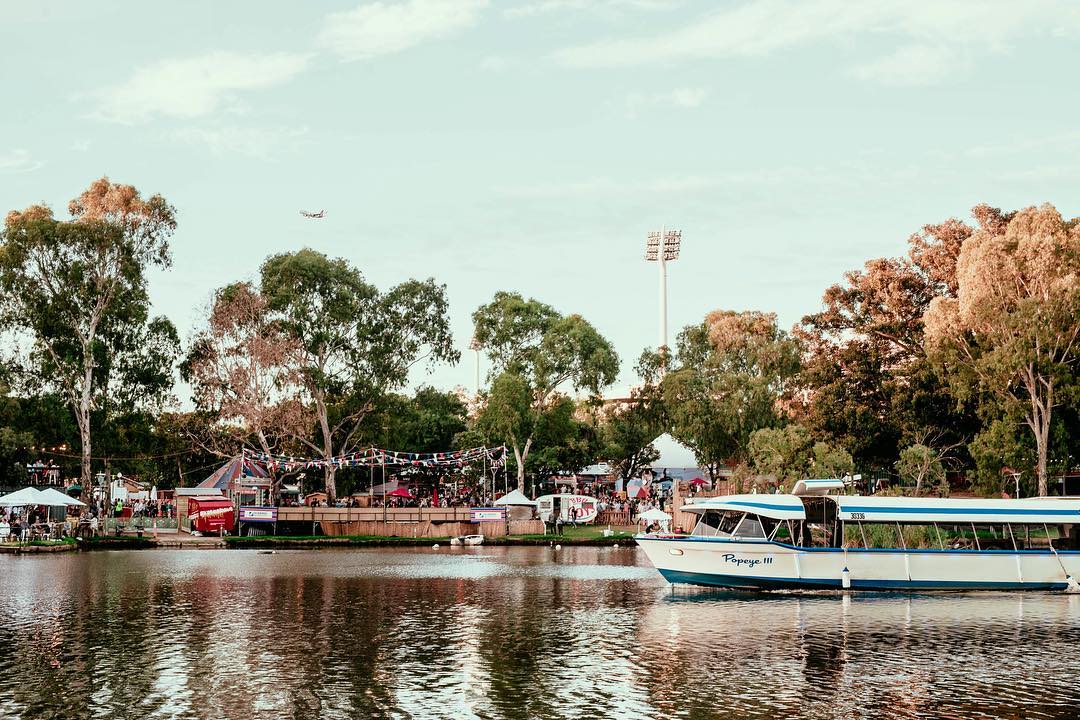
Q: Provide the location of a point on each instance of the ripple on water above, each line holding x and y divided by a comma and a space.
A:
504, 633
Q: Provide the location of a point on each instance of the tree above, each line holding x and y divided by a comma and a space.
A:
790, 454
1013, 326
920, 465
243, 370
535, 351
77, 290
354, 342
731, 376
866, 377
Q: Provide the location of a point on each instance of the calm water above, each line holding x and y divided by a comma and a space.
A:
503, 633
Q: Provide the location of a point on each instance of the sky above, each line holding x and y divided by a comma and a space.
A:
531, 145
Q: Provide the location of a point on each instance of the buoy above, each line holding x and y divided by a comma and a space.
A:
435, 546
616, 544
558, 547
1071, 586
845, 579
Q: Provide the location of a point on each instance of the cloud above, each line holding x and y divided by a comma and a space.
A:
254, 142
544, 7
911, 65
686, 98
387, 26
18, 160
760, 27
194, 86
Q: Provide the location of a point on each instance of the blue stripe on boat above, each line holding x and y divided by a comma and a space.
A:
954, 511
767, 583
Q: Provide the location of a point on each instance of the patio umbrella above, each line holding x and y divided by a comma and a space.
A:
55, 498
21, 498
697, 481
654, 515
401, 493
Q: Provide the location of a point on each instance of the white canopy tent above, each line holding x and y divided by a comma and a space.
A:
656, 515
515, 497
22, 498
54, 498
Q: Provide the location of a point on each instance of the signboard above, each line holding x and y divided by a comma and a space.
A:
251, 514
488, 514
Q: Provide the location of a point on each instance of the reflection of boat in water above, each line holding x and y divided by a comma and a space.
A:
814, 540
467, 540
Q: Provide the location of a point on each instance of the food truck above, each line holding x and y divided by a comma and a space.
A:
211, 515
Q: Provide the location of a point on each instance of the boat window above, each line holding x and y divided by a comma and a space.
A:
750, 527
717, 522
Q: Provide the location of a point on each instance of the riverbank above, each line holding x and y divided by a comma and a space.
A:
38, 546
581, 536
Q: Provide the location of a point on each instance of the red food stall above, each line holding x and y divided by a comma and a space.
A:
211, 515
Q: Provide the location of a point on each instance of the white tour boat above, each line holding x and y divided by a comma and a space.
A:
812, 539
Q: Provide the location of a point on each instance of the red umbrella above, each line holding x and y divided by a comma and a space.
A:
401, 493
697, 481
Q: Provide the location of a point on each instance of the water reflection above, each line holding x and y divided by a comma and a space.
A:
503, 633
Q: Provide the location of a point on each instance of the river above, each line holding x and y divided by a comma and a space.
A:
503, 633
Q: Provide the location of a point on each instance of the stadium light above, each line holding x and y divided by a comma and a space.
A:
661, 248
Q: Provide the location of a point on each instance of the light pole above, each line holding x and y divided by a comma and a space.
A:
661, 247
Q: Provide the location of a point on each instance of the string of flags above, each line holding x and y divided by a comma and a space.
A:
371, 457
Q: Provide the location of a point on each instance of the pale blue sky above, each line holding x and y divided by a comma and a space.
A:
531, 144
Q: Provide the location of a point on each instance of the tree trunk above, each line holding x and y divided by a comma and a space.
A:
82, 416
1041, 413
329, 472
521, 455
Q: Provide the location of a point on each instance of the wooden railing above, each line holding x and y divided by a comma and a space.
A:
613, 517
336, 514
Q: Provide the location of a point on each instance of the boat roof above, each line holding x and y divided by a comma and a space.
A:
820, 486
875, 508
956, 510
778, 507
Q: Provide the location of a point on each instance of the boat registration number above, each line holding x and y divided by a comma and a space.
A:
858, 516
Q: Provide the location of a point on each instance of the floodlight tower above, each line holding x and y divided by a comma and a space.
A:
660, 248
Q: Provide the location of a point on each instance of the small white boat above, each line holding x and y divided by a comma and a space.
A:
467, 540
813, 540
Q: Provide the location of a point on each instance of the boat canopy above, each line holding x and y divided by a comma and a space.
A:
817, 487
777, 507
940, 510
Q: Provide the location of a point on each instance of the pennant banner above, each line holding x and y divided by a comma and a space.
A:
371, 457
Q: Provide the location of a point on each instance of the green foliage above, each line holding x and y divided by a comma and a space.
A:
536, 354
76, 291
790, 454
921, 467
729, 376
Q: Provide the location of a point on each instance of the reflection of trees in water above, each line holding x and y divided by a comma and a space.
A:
308, 635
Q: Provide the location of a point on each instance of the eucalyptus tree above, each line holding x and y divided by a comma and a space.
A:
354, 341
75, 290
731, 375
1013, 329
242, 368
536, 353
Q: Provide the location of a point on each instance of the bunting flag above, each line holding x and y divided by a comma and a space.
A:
371, 457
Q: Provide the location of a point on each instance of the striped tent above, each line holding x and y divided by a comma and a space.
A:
226, 478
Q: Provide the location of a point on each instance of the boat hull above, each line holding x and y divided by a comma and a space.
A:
764, 565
